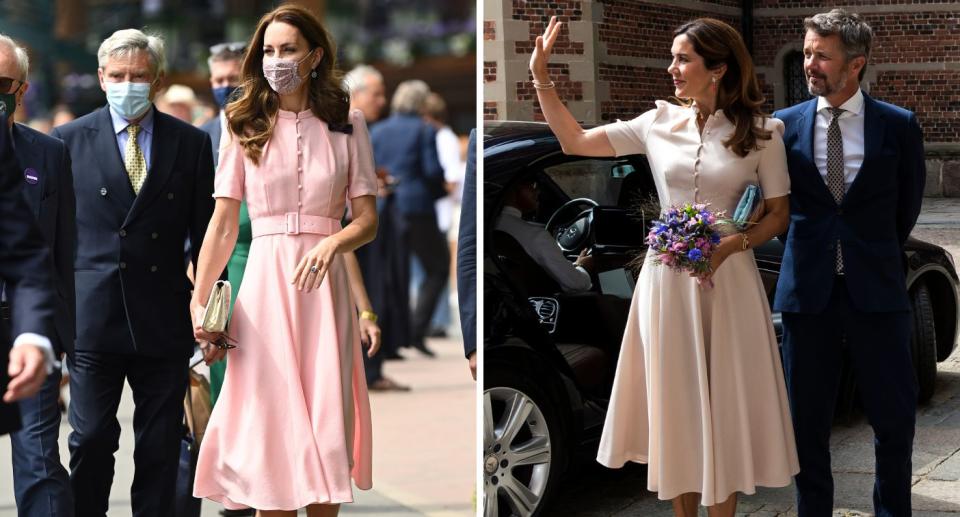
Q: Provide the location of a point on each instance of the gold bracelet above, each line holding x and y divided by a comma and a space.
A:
544, 86
744, 241
368, 315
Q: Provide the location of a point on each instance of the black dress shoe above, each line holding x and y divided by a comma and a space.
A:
238, 513
422, 347
437, 332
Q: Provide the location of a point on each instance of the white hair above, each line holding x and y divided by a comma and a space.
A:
23, 60
125, 41
356, 80
410, 97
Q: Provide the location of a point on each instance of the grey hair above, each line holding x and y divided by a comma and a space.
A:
410, 97
356, 80
855, 35
227, 53
23, 60
125, 41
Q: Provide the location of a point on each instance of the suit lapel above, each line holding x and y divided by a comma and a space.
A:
163, 153
807, 127
33, 164
874, 125
115, 182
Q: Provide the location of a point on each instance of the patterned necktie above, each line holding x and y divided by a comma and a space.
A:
133, 159
835, 169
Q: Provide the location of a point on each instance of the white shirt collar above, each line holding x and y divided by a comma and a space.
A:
853, 105
511, 210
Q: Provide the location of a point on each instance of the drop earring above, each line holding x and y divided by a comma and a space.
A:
713, 83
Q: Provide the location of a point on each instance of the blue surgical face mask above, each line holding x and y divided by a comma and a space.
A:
222, 94
129, 100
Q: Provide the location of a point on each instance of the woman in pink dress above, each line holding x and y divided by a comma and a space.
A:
699, 393
292, 426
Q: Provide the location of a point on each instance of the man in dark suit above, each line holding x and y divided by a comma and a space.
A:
40, 482
144, 184
467, 257
857, 174
25, 278
406, 147
226, 74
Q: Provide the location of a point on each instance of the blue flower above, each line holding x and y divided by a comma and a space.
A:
694, 254
715, 238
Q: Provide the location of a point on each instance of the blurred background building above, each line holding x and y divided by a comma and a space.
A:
610, 61
432, 40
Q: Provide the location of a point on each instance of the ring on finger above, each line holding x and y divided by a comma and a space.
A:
314, 268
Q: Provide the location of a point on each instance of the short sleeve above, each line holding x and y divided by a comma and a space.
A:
228, 181
362, 179
630, 137
772, 169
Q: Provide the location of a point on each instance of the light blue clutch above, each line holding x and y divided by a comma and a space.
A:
750, 207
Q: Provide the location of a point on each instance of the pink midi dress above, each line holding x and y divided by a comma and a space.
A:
699, 393
292, 424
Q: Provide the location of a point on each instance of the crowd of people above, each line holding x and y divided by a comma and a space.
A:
281, 189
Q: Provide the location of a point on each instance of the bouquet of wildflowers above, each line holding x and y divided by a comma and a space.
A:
685, 237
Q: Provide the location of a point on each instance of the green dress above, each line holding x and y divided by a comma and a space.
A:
238, 262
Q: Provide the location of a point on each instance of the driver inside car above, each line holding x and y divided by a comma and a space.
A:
523, 198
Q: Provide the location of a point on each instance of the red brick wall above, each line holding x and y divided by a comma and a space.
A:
645, 29
922, 37
933, 96
490, 111
489, 30
632, 90
560, 75
489, 71
538, 13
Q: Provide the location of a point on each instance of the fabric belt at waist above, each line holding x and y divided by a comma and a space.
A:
293, 223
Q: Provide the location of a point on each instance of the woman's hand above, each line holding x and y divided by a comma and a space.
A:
211, 352
370, 335
314, 265
541, 53
729, 245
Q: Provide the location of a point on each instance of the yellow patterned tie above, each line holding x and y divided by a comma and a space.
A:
133, 159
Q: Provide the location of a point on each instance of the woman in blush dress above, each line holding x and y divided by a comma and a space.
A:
699, 392
291, 428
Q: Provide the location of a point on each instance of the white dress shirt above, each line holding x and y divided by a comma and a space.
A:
851, 130
29, 338
543, 249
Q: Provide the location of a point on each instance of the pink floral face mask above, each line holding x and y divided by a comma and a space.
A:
282, 74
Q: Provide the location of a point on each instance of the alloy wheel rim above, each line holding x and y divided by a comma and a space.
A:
517, 452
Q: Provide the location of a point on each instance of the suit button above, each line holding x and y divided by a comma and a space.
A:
170, 196
123, 265
123, 233
154, 235
153, 269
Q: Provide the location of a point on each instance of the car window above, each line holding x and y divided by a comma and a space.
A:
597, 179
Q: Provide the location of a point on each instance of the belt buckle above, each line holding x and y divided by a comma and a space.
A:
293, 223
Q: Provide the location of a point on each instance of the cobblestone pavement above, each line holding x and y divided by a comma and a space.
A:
595, 491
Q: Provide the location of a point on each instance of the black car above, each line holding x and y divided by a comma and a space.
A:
550, 357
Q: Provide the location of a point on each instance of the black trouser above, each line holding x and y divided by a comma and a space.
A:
878, 348
96, 383
429, 245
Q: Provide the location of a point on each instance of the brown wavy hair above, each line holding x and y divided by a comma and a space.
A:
252, 115
738, 91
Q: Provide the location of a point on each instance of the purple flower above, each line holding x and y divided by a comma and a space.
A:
694, 254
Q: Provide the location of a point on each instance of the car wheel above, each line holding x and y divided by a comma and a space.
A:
924, 345
522, 447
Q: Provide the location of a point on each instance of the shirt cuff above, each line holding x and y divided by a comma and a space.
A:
29, 338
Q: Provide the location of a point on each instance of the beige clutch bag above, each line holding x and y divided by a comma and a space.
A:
218, 308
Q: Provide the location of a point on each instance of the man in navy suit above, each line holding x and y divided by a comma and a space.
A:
467, 257
25, 280
857, 174
40, 482
406, 147
144, 184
